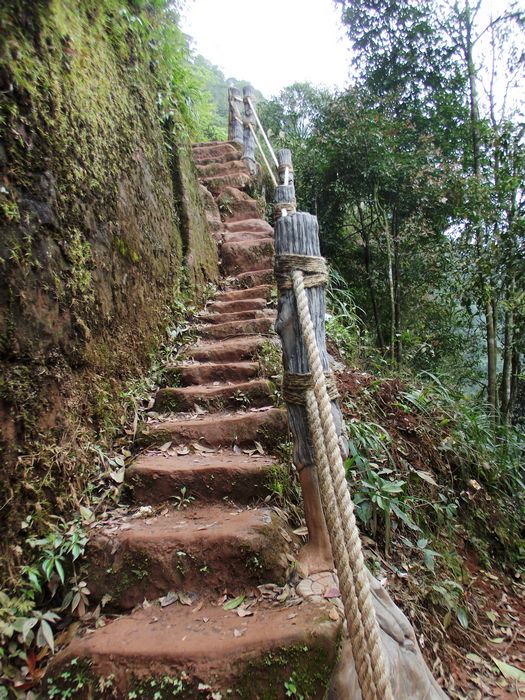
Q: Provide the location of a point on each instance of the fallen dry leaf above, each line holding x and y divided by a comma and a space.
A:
168, 599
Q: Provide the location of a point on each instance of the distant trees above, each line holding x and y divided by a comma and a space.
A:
417, 174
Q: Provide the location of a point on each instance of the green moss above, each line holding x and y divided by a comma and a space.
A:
133, 570
74, 680
265, 678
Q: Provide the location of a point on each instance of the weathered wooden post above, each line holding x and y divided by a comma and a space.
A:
298, 234
235, 126
249, 129
284, 199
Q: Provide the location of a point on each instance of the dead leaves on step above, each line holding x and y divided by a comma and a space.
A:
169, 449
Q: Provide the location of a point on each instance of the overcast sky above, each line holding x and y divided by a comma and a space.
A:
273, 43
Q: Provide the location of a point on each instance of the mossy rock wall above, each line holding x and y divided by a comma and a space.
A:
100, 226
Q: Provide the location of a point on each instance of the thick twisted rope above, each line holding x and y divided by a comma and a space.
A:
339, 511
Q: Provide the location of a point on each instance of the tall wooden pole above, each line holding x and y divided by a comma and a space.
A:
249, 127
235, 127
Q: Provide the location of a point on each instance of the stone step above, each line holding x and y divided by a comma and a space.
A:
159, 476
245, 315
256, 326
217, 150
197, 548
247, 256
223, 169
256, 392
254, 278
207, 372
261, 291
237, 206
216, 144
205, 155
218, 183
236, 305
249, 226
229, 350
243, 236
211, 648
221, 429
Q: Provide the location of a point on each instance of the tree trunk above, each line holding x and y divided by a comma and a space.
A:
492, 390
368, 267
390, 290
506, 380
397, 291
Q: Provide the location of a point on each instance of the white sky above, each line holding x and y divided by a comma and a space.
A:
271, 44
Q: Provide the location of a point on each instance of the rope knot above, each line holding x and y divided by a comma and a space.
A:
313, 267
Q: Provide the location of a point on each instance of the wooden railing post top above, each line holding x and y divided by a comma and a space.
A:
284, 157
248, 93
235, 125
297, 234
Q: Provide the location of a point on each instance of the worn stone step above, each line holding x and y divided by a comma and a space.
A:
236, 305
256, 392
159, 476
237, 206
222, 169
243, 236
254, 278
207, 372
205, 547
262, 291
228, 350
245, 315
221, 429
256, 326
249, 226
216, 149
251, 657
218, 183
247, 256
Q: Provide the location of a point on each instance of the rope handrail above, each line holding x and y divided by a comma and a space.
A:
265, 137
236, 126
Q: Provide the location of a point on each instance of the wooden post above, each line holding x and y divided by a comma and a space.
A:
299, 234
249, 138
285, 192
284, 160
235, 127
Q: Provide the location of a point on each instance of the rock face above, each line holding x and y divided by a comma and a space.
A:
95, 229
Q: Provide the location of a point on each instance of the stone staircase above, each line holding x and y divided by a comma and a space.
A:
202, 534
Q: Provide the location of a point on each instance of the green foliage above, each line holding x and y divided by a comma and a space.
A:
270, 359
343, 325
291, 687
492, 456
376, 491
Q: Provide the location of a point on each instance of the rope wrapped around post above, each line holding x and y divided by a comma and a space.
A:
299, 273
